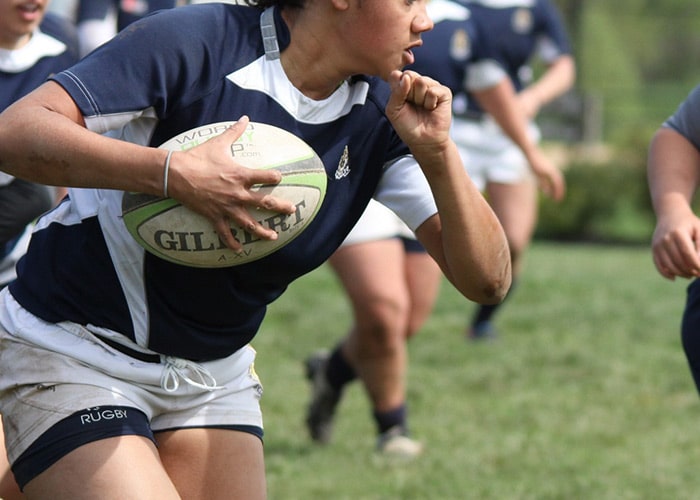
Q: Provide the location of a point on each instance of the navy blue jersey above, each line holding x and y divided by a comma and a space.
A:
520, 30
457, 52
51, 49
83, 266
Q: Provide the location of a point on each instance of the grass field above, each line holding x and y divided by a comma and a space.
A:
586, 394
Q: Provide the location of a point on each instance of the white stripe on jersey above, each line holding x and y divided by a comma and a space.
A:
268, 76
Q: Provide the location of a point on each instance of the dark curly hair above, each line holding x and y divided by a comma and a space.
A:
279, 3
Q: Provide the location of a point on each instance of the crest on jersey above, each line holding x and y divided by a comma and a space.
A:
343, 165
522, 21
460, 45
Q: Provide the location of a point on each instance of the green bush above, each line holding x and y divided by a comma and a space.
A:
604, 202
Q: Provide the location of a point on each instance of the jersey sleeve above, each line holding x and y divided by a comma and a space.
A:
404, 189
686, 119
484, 69
553, 40
483, 75
163, 68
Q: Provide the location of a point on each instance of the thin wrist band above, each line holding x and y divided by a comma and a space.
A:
166, 171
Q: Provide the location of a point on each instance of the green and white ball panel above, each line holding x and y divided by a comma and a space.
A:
173, 232
261, 146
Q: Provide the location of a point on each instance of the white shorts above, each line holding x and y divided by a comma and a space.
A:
378, 223
52, 371
488, 154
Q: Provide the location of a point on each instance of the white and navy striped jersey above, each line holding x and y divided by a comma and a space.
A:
170, 72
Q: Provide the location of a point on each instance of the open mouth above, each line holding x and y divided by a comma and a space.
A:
29, 7
409, 52
29, 12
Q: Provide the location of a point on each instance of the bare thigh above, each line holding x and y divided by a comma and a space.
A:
121, 467
193, 464
515, 206
212, 464
372, 274
423, 277
8, 486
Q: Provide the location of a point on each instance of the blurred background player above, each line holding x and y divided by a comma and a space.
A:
392, 283
99, 20
33, 45
523, 30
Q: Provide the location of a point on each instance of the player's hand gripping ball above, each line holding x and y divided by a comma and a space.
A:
175, 233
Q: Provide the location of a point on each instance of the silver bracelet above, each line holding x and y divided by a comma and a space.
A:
166, 171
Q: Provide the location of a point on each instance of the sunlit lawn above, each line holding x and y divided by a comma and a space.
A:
586, 394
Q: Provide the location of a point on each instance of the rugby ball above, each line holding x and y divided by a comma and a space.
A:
175, 233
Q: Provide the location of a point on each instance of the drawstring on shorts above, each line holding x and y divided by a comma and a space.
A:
189, 371
174, 369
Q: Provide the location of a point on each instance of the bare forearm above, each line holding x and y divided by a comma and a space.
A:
501, 103
52, 147
556, 80
674, 174
473, 251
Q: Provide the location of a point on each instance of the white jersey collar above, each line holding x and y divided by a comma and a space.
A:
39, 46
